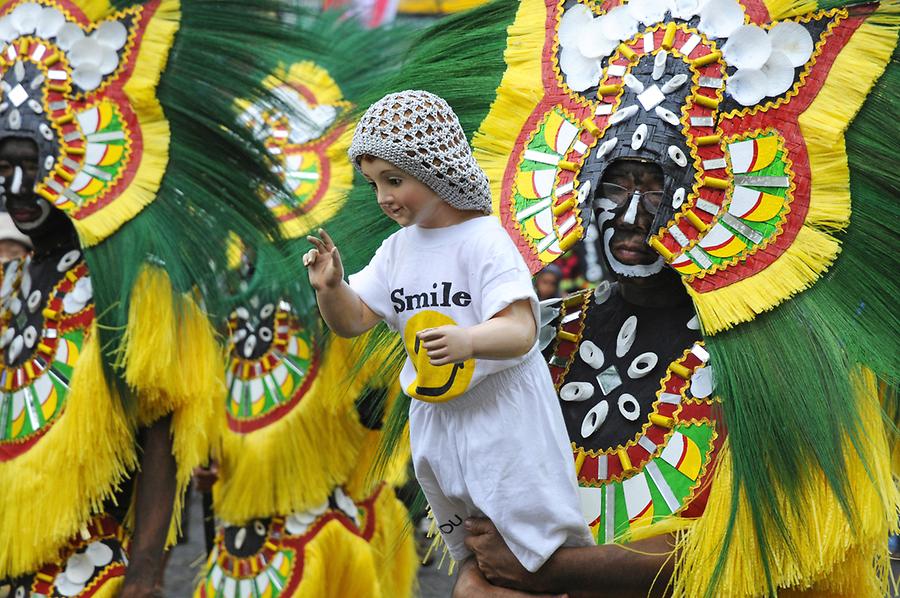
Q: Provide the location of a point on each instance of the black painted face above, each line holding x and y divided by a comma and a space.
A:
19, 167
625, 201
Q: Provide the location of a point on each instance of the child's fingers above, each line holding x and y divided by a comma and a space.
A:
436, 344
326, 238
318, 243
309, 258
430, 334
437, 351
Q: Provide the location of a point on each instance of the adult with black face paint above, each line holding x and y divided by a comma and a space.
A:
651, 296
29, 286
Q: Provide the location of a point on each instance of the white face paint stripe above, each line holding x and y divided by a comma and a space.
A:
631, 213
16, 185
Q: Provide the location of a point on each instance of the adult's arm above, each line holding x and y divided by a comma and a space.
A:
155, 487
641, 568
470, 583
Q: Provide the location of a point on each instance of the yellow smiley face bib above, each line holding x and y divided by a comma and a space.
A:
434, 384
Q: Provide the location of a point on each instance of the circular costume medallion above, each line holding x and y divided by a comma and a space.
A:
41, 341
267, 556
273, 364
309, 147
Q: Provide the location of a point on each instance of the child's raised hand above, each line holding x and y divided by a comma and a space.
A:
323, 263
446, 344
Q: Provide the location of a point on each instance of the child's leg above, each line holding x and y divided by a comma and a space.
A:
439, 475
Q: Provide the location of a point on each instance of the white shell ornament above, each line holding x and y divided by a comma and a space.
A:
15, 348
639, 137
618, 24
719, 18
606, 146
583, 80
66, 587
26, 16
623, 114
748, 86
50, 22
84, 52
30, 336
584, 192
8, 31
99, 554
111, 34
626, 336
249, 345
592, 43
667, 116
793, 40
79, 568
685, 9
67, 35
68, 260
87, 77
109, 60
747, 48
633, 83
647, 12
239, 537
674, 83
678, 198
629, 407
642, 365
581, 73
7, 336
576, 391
677, 155
594, 419
572, 23
779, 73
591, 354
659, 65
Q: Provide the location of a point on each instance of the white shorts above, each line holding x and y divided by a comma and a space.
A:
501, 451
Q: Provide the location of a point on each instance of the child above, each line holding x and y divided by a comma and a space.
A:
487, 434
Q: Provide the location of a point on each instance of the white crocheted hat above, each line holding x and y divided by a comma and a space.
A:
418, 132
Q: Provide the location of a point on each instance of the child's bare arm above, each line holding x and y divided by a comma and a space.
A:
510, 333
342, 309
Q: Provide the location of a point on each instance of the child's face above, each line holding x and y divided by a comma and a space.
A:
404, 199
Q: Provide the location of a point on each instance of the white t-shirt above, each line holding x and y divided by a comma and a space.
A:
427, 277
